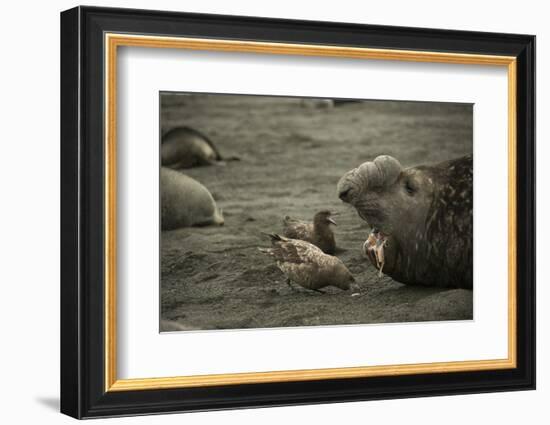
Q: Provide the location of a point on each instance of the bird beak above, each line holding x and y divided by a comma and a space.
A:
330, 220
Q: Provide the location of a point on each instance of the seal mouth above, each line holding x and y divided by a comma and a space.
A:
372, 216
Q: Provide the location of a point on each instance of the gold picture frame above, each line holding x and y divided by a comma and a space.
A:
114, 41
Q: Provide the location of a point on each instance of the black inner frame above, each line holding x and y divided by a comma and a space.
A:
82, 212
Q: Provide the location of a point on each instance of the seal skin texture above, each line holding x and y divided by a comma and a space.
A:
426, 211
185, 202
184, 147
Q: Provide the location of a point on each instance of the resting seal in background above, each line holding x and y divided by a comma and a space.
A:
184, 147
426, 211
185, 202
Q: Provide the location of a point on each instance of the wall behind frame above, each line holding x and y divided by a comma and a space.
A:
29, 229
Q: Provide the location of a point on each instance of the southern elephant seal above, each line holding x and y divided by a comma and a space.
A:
184, 147
185, 202
426, 211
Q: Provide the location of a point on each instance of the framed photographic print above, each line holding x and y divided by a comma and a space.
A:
261, 212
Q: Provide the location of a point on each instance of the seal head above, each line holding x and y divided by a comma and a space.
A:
426, 211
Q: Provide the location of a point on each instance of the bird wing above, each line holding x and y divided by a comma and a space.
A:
297, 229
296, 251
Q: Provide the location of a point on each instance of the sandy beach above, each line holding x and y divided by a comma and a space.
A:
291, 158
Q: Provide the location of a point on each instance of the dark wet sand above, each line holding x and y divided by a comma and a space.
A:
291, 159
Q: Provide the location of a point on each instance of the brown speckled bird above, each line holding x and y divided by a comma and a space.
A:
305, 264
319, 233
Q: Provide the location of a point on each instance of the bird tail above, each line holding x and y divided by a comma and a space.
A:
274, 236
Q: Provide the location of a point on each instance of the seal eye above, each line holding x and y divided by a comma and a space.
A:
409, 187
